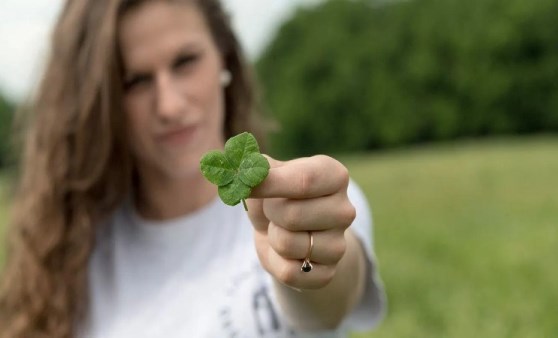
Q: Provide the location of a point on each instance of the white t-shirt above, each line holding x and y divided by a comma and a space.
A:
199, 276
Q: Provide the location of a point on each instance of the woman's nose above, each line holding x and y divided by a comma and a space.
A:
170, 100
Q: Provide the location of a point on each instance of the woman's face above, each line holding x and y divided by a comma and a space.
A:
173, 97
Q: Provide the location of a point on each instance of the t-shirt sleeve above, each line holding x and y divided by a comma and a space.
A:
371, 309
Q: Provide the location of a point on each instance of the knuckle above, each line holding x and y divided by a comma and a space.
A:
337, 249
287, 275
349, 214
329, 274
346, 215
262, 256
324, 159
344, 176
283, 244
338, 168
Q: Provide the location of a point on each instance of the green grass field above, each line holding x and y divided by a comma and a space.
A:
466, 236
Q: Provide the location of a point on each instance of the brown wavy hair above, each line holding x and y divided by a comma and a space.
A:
77, 167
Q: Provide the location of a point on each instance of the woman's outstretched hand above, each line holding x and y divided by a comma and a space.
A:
298, 197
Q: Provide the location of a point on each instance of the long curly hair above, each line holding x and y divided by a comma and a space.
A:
76, 164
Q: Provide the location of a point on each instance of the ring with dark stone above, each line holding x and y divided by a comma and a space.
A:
306, 265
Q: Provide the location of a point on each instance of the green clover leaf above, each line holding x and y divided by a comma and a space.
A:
237, 170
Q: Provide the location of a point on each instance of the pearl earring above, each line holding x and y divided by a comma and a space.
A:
225, 77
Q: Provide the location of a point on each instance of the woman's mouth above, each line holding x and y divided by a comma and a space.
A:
178, 136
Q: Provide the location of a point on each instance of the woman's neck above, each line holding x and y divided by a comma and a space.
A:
160, 198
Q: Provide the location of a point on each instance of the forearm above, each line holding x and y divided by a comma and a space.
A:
325, 308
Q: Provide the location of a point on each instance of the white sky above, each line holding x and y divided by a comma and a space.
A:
25, 26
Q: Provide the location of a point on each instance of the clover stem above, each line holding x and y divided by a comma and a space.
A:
244, 203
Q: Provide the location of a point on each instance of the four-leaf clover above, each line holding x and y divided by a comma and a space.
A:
236, 171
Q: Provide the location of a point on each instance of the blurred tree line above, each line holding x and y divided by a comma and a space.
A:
350, 75
6, 118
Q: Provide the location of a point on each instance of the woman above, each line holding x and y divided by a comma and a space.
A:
116, 233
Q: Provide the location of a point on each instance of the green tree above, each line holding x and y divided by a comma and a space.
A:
358, 74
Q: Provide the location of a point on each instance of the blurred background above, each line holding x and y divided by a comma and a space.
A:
445, 112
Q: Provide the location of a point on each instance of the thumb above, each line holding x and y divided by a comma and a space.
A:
263, 189
255, 205
273, 163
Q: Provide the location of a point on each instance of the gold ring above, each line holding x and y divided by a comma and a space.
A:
306, 265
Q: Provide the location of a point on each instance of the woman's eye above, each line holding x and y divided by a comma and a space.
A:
185, 61
136, 81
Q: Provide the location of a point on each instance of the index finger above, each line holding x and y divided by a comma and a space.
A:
307, 177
